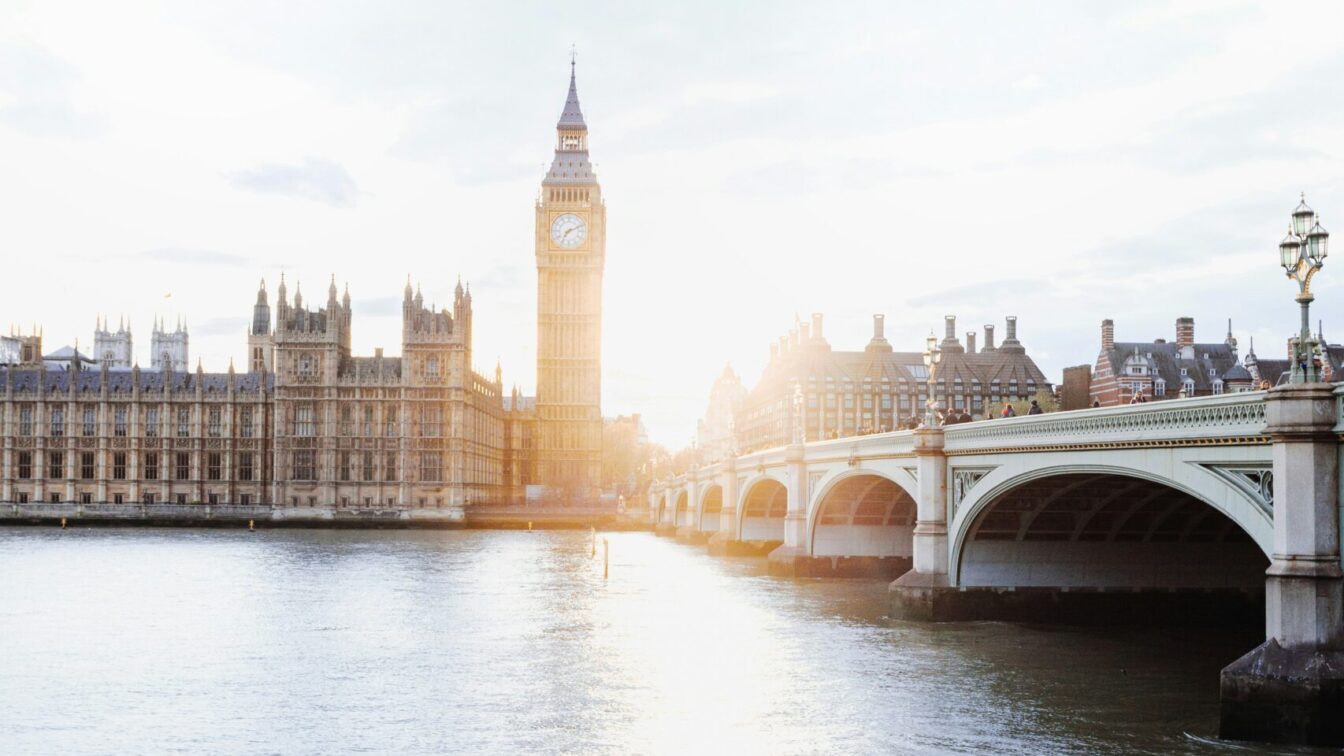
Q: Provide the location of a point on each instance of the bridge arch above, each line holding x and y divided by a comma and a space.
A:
1107, 527
862, 513
681, 513
661, 513
760, 515
711, 504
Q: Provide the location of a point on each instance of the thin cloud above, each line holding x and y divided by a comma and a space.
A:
39, 88
314, 179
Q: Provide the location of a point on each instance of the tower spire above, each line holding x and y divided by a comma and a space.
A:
572, 115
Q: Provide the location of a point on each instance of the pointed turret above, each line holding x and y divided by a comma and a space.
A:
282, 299
331, 292
261, 312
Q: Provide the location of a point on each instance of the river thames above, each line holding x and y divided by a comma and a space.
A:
308, 641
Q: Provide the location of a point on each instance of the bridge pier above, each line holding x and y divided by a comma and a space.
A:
1291, 687
689, 534
783, 561
923, 593
724, 541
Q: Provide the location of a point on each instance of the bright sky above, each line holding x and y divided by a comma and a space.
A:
1062, 162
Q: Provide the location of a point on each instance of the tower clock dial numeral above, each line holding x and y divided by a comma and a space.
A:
568, 230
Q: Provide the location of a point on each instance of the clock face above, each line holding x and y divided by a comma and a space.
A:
568, 230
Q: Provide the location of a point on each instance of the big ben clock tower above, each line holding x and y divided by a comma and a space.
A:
571, 232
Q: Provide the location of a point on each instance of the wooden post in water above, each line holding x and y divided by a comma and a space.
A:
606, 558
594, 541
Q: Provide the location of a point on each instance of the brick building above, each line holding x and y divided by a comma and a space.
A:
1161, 369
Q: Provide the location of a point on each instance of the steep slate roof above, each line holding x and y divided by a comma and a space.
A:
1164, 361
572, 115
369, 368
813, 360
571, 167
122, 381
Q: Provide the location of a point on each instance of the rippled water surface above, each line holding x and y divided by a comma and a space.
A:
299, 641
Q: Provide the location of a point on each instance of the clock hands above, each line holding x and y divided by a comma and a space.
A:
562, 233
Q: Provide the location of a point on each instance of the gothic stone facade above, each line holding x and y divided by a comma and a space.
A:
310, 424
325, 428
92, 436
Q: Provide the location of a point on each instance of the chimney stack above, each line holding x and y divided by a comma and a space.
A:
1185, 332
989, 337
816, 325
1107, 335
950, 344
970, 342
1010, 343
879, 340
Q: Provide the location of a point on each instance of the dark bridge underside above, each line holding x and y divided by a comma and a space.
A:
763, 512
864, 528
1103, 507
1100, 548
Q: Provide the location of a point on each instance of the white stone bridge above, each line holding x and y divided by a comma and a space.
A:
1174, 508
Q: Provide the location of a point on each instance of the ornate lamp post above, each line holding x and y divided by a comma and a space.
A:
932, 356
1302, 253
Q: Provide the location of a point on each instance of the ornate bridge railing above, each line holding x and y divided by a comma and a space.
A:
1227, 418
1209, 420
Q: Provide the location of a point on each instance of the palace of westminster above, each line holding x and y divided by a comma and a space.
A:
309, 423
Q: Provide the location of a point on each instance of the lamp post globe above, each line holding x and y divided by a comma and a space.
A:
1290, 251
1301, 254
1318, 240
1303, 216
